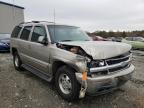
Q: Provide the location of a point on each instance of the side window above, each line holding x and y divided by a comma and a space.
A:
37, 32
16, 31
25, 33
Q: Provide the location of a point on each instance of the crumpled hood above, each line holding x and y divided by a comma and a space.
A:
101, 49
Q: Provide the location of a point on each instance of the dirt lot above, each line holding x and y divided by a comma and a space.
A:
25, 90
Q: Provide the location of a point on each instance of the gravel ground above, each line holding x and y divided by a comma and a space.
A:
25, 90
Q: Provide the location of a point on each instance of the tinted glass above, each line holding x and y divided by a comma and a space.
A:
67, 33
38, 31
16, 31
25, 33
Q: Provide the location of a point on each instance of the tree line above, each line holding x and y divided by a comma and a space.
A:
124, 34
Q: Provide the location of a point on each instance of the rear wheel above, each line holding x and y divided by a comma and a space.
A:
67, 84
17, 61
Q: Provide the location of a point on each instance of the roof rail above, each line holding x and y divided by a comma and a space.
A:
24, 22
47, 21
41, 21
35, 22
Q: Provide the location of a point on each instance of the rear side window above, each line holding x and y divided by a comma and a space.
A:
26, 32
37, 32
16, 31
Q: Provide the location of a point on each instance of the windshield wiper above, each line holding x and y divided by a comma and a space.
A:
86, 40
71, 40
65, 40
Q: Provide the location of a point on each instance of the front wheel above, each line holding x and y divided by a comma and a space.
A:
67, 84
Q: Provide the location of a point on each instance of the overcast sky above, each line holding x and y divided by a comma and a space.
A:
90, 15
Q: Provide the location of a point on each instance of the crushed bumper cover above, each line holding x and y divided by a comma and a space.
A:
107, 83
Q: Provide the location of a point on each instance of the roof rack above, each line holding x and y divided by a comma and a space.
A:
42, 21
47, 21
24, 23
35, 22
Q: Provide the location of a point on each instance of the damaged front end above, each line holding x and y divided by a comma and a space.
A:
108, 74
82, 61
96, 75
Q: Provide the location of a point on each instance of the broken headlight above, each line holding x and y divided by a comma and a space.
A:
97, 63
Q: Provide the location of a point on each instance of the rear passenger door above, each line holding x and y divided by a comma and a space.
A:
14, 36
39, 52
24, 44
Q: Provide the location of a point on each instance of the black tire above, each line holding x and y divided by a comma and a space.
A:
19, 63
75, 86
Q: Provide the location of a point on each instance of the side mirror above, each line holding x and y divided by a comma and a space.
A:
40, 39
43, 40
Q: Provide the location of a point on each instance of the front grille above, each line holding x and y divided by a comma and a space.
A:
109, 71
118, 59
114, 61
118, 68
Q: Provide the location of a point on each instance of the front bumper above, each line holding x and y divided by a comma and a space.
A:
106, 83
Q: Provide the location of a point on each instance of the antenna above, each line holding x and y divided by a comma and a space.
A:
54, 16
54, 22
13, 11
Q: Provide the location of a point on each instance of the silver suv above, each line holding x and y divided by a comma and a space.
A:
66, 55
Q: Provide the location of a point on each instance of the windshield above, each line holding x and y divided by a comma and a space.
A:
4, 36
59, 33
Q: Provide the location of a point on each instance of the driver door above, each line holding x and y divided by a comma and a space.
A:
39, 52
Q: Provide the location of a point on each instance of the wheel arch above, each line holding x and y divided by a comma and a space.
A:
13, 50
57, 64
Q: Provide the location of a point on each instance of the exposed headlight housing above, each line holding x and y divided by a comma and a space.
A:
101, 63
97, 63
